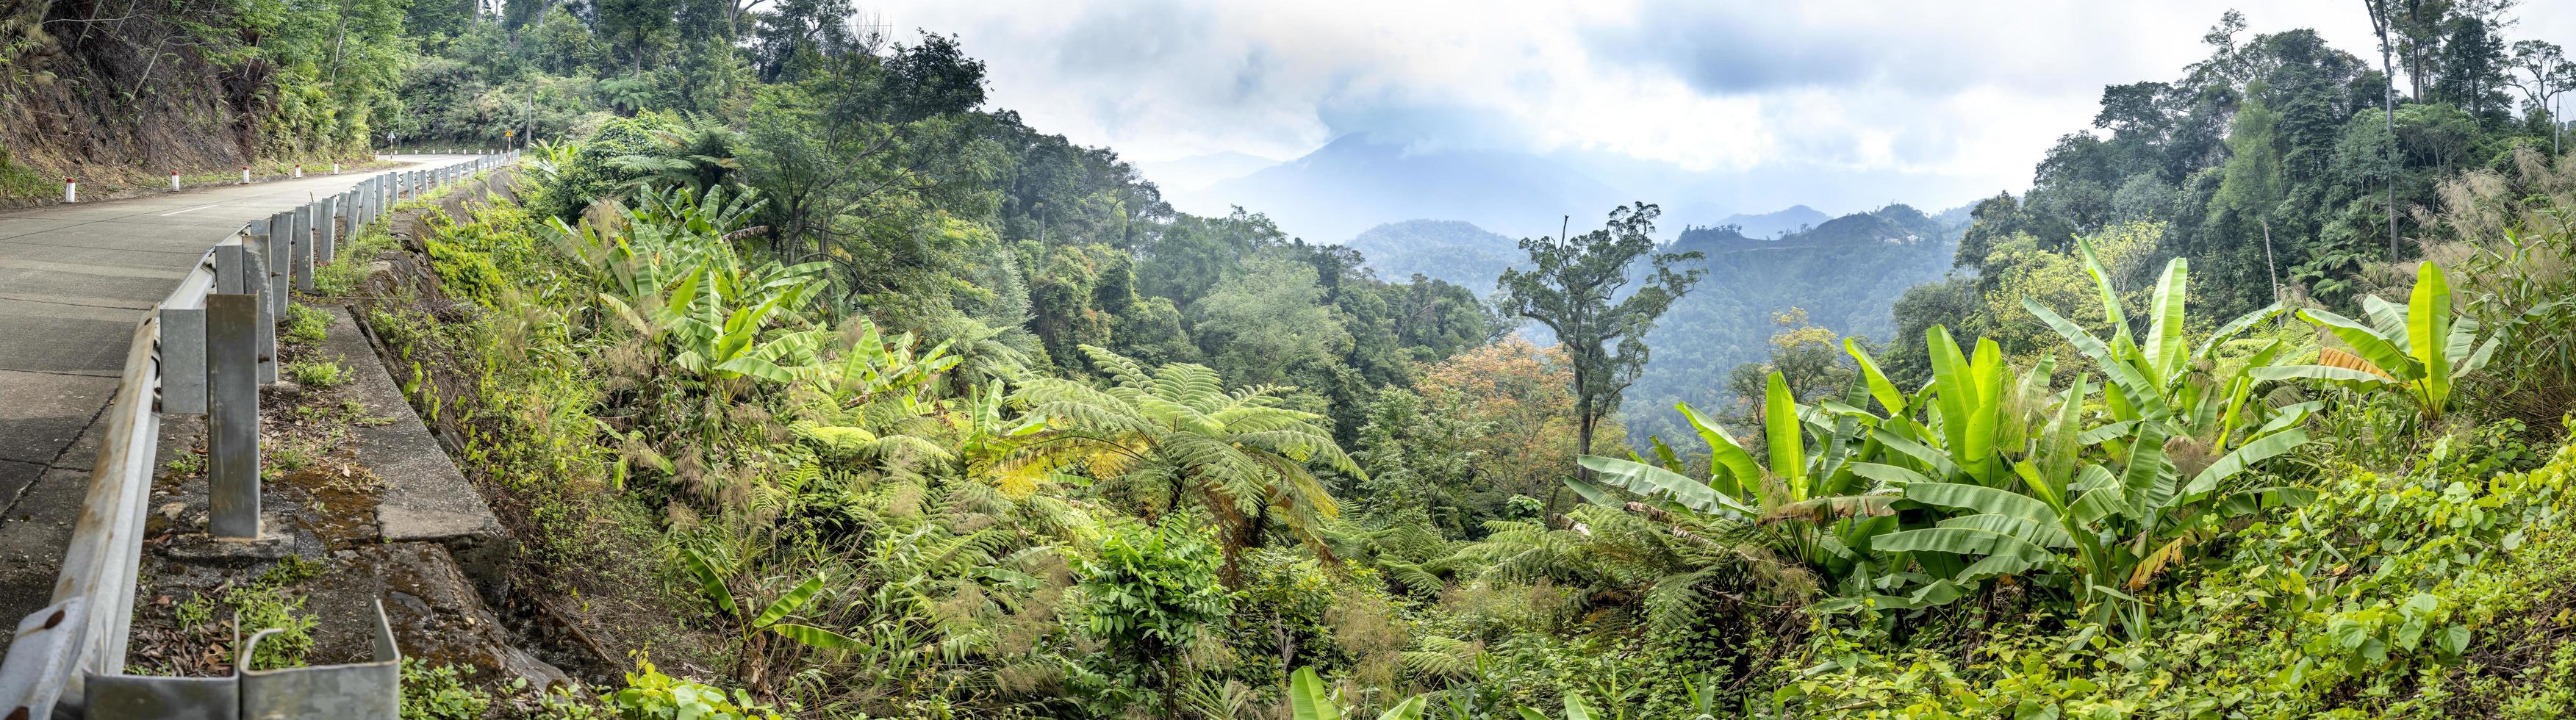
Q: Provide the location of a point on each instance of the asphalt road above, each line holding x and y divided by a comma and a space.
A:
74, 280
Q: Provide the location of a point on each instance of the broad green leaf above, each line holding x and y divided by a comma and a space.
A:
2097, 503
2164, 324
2121, 374
710, 583
1651, 481
1959, 541
1981, 499
1781, 433
1977, 452
1575, 709
2146, 465
2365, 343
1724, 452
2386, 318
1951, 391
2253, 452
2270, 497
2238, 325
1889, 475
2034, 531
756, 367
2317, 372
2428, 332
1879, 387
789, 603
2102, 283
1591, 493
1410, 709
1938, 461
1309, 698
815, 636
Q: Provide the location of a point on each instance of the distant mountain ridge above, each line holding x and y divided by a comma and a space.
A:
1846, 273
1451, 250
1357, 182
1776, 223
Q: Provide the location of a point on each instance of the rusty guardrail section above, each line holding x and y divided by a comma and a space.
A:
204, 350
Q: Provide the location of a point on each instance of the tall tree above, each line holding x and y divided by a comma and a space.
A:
1572, 287
2549, 73
2251, 187
2382, 17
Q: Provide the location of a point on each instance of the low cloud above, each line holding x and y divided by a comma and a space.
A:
1916, 95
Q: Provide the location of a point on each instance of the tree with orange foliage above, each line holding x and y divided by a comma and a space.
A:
1524, 393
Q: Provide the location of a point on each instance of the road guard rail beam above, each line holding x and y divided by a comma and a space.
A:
205, 350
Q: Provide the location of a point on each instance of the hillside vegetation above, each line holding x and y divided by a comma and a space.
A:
817, 387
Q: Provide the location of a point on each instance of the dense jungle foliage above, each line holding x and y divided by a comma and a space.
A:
880, 403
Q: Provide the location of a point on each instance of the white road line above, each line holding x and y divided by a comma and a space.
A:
190, 210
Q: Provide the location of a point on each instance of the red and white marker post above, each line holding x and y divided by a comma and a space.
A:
71, 190
174, 181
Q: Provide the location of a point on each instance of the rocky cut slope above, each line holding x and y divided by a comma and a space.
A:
125, 92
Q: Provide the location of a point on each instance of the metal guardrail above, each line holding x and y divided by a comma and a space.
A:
205, 349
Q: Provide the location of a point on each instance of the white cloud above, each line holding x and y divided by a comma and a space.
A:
1970, 93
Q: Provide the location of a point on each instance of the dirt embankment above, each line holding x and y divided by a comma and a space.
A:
121, 94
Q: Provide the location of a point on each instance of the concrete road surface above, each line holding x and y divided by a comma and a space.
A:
74, 280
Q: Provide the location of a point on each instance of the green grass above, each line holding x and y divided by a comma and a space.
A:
342, 276
318, 373
305, 325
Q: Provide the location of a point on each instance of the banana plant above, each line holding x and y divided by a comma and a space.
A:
1810, 501
2104, 524
1310, 699
2029, 491
772, 619
2421, 347
2157, 375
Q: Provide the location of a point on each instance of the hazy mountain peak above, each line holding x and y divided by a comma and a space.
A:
1199, 171
1359, 181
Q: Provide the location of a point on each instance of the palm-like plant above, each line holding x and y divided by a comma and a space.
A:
777, 618
700, 158
1812, 506
1309, 698
1239, 455
2028, 491
666, 269
2420, 348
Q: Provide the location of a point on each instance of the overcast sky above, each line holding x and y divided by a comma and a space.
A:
1933, 103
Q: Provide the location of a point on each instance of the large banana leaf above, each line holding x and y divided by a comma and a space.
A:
2259, 450
1782, 434
2135, 386
2036, 532
2235, 327
1651, 481
2428, 333
1888, 397
1981, 499
1309, 698
1724, 453
1961, 541
2344, 375
2165, 324
2381, 351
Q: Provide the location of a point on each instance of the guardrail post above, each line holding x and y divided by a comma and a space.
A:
232, 418
270, 268
327, 231
308, 224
